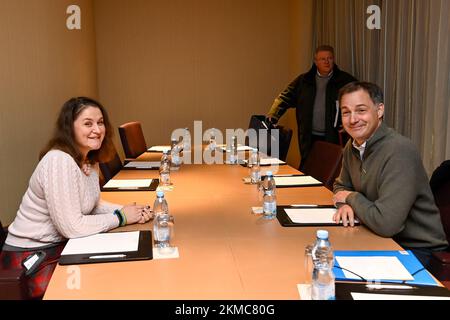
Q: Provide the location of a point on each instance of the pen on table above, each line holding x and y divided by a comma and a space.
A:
388, 286
108, 256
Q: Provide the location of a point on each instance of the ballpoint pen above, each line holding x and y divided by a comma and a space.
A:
389, 286
108, 256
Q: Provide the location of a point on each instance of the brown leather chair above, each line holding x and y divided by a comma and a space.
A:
440, 185
13, 284
324, 162
133, 140
110, 169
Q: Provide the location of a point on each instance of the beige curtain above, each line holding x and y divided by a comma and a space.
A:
409, 58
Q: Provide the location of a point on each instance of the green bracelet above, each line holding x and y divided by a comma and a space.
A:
124, 217
120, 216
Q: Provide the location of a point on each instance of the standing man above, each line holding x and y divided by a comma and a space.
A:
314, 95
383, 181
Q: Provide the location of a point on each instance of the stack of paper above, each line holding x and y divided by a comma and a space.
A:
270, 161
311, 215
103, 243
128, 184
295, 181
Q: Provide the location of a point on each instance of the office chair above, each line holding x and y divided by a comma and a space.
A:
13, 283
440, 186
110, 169
324, 162
258, 122
133, 140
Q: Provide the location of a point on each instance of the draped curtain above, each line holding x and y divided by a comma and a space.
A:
409, 58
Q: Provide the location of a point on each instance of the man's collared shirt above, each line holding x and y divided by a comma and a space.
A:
360, 148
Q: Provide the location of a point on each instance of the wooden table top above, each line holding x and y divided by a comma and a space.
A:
226, 252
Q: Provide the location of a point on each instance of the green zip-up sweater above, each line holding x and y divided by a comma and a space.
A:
391, 195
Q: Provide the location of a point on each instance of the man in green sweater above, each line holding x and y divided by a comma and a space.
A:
383, 181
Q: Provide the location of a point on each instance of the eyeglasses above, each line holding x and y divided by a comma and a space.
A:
325, 59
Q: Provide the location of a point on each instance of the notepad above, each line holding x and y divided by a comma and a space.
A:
143, 164
378, 296
373, 268
296, 181
311, 215
159, 148
132, 183
361, 291
420, 275
103, 243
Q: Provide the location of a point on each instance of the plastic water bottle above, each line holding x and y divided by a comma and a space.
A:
212, 140
323, 280
175, 150
233, 150
163, 222
270, 199
164, 170
253, 164
187, 140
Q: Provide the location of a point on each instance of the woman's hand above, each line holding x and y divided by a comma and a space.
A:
136, 213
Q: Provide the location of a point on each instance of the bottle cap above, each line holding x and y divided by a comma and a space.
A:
160, 193
322, 234
269, 173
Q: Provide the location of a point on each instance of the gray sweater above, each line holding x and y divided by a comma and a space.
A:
392, 196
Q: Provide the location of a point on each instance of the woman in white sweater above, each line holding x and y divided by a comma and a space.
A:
63, 196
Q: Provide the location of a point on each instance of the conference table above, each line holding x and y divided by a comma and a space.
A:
225, 251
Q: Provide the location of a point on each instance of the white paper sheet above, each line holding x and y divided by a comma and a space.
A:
132, 183
270, 161
378, 296
159, 148
295, 180
239, 148
307, 215
244, 148
103, 243
374, 268
143, 164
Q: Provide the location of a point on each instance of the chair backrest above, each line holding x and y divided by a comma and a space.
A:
285, 141
111, 168
132, 138
324, 162
440, 186
258, 122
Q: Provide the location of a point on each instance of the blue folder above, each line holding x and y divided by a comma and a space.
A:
407, 258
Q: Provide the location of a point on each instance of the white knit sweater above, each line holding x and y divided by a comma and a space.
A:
61, 202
